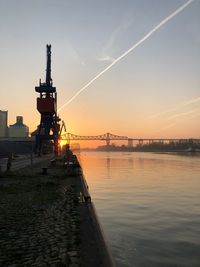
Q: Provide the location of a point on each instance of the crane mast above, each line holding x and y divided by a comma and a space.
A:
48, 69
49, 127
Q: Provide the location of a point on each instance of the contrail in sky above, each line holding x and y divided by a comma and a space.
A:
182, 114
192, 101
162, 23
180, 120
182, 104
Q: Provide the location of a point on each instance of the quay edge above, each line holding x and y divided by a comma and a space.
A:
93, 238
45, 218
95, 251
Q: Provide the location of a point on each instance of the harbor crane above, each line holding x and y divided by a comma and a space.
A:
49, 127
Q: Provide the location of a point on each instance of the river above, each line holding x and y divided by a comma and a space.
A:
148, 205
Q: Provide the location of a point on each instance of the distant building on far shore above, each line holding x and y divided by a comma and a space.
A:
18, 129
3, 123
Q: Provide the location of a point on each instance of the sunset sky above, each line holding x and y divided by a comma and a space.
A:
153, 92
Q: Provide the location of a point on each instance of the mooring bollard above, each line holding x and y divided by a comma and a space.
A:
9, 163
53, 162
44, 171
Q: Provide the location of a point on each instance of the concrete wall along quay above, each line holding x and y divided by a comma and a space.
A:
47, 217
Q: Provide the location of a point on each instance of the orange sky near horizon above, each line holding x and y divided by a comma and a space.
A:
152, 93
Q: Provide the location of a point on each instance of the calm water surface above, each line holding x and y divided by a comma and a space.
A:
148, 205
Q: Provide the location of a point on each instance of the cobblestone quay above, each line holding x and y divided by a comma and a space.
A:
44, 220
39, 217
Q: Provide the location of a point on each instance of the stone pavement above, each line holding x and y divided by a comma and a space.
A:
23, 161
39, 218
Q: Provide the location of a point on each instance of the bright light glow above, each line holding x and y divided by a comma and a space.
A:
162, 23
62, 142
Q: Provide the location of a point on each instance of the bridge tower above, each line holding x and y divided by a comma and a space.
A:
107, 139
130, 142
49, 127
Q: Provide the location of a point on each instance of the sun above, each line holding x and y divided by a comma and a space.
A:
62, 142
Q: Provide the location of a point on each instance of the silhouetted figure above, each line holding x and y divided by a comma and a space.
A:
68, 154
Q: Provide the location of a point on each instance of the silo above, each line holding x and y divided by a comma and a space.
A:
3, 123
19, 129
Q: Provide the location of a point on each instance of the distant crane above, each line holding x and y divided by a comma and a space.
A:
49, 127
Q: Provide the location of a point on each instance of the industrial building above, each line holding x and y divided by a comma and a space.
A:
3, 123
19, 129
16, 130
